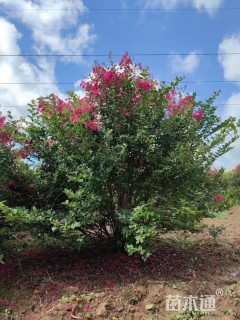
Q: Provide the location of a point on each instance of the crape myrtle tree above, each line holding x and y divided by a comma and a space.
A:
128, 160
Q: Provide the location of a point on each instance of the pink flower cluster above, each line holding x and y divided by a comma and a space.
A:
92, 125
85, 107
102, 83
197, 115
74, 119
24, 153
144, 85
68, 113
92, 88
55, 104
218, 197
7, 185
109, 77
102, 80
2, 121
213, 171
237, 169
177, 105
5, 138
126, 62
88, 308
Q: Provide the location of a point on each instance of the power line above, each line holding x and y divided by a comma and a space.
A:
210, 81
217, 104
74, 83
121, 54
123, 9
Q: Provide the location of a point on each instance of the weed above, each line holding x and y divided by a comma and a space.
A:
191, 315
215, 231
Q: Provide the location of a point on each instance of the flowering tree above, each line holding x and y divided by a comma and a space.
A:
128, 160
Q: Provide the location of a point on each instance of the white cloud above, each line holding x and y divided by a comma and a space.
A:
186, 64
233, 106
154, 4
78, 90
51, 23
19, 70
206, 4
55, 28
230, 63
124, 4
232, 109
231, 159
171, 4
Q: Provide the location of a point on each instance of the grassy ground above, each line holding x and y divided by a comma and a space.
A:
55, 284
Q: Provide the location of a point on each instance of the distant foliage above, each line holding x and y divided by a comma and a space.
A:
231, 184
128, 160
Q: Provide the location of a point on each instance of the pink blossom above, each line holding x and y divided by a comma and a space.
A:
51, 142
96, 92
83, 84
86, 108
92, 125
74, 119
27, 142
78, 111
5, 138
98, 69
174, 107
91, 88
152, 104
197, 115
138, 98
88, 308
24, 154
31, 187
144, 85
69, 306
126, 61
187, 101
237, 169
40, 107
60, 108
126, 113
213, 171
2, 121
218, 197
171, 96
109, 77
119, 83
7, 185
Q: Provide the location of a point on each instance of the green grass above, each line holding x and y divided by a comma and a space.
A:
222, 215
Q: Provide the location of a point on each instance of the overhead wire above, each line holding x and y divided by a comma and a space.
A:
26, 106
123, 9
74, 83
119, 54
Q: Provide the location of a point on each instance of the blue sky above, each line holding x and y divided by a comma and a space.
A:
75, 27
